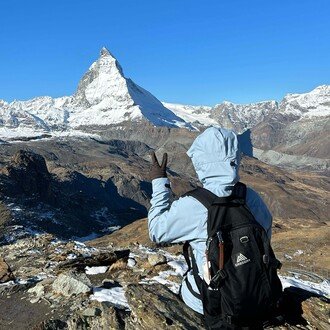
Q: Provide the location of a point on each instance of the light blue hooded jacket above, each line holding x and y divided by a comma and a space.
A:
215, 156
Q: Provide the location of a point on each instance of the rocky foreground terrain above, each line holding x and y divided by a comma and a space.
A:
122, 281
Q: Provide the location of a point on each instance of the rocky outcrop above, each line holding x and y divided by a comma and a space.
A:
316, 311
304, 137
29, 173
5, 217
168, 310
103, 316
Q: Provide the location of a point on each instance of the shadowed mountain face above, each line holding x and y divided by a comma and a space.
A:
88, 186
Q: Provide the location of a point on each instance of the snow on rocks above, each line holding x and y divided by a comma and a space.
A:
321, 288
115, 296
166, 278
179, 266
287, 256
298, 253
308, 105
169, 277
96, 298
83, 249
96, 270
131, 262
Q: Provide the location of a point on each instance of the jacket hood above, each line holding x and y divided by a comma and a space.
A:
216, 157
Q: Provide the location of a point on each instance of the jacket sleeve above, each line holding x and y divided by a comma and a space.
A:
259, 210
181, 221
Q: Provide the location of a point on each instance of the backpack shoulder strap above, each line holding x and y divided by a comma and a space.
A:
239, 191
207, 198
203, 195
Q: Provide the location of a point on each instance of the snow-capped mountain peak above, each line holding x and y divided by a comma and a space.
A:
103, 79
105, 52
315, 103
243, 116
3, 103
106, 96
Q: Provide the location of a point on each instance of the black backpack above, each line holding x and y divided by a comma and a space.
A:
243, 290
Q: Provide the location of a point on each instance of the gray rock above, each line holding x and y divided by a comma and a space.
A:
71, 284
5, 272
91, 311
156, 307
34, 300
107, 319
38, 290
156, 259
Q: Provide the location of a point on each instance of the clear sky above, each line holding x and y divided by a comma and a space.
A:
185, 51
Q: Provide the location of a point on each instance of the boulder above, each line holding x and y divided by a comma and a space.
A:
5, 272
156, 259
71, 283
104, 316
156, 307
91, 312
38, 290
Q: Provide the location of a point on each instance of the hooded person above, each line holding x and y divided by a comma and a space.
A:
216, 158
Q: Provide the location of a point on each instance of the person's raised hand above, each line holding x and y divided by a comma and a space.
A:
156, 170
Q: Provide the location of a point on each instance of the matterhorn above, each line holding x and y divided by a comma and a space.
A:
104, 97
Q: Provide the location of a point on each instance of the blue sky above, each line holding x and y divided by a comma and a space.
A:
185, 51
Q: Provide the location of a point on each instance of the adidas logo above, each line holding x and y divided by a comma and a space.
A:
241, 259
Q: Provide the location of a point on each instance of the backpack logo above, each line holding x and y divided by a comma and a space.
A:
241, 259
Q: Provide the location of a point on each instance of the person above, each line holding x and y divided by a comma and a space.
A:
216, 158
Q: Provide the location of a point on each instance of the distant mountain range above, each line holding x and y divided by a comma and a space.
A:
106, 97
106, 104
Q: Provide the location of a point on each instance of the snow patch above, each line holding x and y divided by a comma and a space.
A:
115, 295
131, 262
96, 270
322, 288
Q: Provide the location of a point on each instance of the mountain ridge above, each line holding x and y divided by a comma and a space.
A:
104, 96
106, 100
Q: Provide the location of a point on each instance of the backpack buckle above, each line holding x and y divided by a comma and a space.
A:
265, 259
217, 279
229, 319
